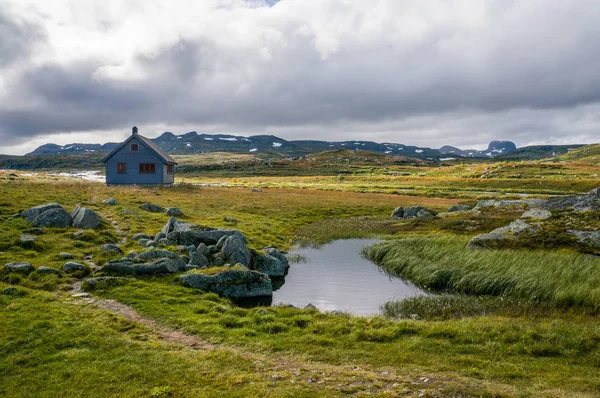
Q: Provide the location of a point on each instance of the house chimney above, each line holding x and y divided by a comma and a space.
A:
134, 130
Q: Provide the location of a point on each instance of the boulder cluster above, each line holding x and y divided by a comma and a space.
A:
169, 211
411, 212
53, 215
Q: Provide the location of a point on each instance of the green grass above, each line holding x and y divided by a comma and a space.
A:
562, 278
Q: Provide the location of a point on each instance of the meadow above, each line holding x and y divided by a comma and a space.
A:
512, 323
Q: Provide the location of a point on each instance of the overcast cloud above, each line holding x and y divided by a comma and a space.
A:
426, 72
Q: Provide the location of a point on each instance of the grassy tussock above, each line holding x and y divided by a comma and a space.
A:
562, 278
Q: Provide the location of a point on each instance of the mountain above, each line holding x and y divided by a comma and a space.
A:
53, 149
495, 148
537, 152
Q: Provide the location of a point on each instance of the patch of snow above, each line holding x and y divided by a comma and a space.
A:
206, 138
68, 147
188, 144
178, 138
418, 151
277, 144
253, 150
445, 159
228, 138
388, 152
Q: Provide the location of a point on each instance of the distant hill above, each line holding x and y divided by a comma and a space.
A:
194, 143
537, 152
584, 154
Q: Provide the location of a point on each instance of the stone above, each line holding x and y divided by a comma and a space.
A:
132, 254
163, 242
47, 271
81, 295
127, 211
103, 282
538, 214
235, 251
19, 267
424, 214
591, 238
412, 211
138, 237
278, 255
151, 208
398, 212
27, 241
191, 249
54, 218
110, 201
218, 261
193, 234
212, 249
233, 284
230, 220
65, 256
154, 254
257, 190
174, 212
111, 248
515, 204
10, 291
203, 249
198, 260
456, 208
159, 236
169, 226
32, 213
159, 266
143, 242
500, 236
151, 243
269, 265
85, 218
72, 266
220, 243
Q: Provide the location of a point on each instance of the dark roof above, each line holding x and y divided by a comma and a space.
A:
148, 143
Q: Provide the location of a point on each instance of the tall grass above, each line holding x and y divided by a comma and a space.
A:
561, 278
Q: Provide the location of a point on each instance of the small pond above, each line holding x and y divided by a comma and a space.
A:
336, 277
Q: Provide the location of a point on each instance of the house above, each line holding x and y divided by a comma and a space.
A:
139, 161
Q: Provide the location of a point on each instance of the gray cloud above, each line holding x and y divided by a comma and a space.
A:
526, 71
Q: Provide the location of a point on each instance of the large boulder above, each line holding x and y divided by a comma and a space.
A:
71, 267
27, 241
590, 238
21, 267
269, 265
198, 260
154, 254
278, 255
32, 213
233, 284
47, 271
456, 208
151, 208
111, 248
412, 211
501, 236
174, 212
398, 212
192, 234
55, 217
85, 218
160, 266
235, 251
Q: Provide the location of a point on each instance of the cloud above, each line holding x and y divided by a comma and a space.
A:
431, 73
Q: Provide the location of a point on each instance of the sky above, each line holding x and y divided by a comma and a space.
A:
421, 72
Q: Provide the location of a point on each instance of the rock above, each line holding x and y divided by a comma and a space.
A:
85, 218
191, 249
257, 190
20, 267
27, 241
278, 255
182, 248
143, 242
212, 249
164, 242
127, 211
230, 220
32, 213
218, 261
152, 208
456, 208
499, 237
424, 214
198, 260
577, 203
103, 282
78, 234
159, 236
398, 212
65, 255
174, 212
220, 243
235, 251
72, 266
192, 234
233, 284
154, 254
10, 291
591, 238
203, 249
517, 204
55, 218
111, 248
47, 271
160, 266
81, 295
169, 226
132, 254
269, 265
412, 211
151, 243
110, 201
539, 214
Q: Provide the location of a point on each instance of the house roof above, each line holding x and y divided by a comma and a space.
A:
146, 142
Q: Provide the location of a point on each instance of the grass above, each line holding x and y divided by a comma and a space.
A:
561, 278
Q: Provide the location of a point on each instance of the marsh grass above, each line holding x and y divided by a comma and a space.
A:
561, 278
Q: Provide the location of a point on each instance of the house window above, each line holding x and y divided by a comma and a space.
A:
134, 147
169, 169
147, 168
121, 168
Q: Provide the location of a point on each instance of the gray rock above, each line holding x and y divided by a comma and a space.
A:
10, 291
233, 284
591, 238
576, 203
220, 242
235, 251
169, 226
55, 218
516, 204
27, 241
191, 249
198, 260
269, 265
182, 248
152, 208
424, 214
159, 266
111, 248
132, 254
456, 208
137, 237
257, 190
218, 261
154, 254
48, 271
110, 201
143, 242
212, 249
127, 211
20, 267
398, 212
203, 249
159, 236
65, 256
230, 220
32, 213
151, 243
278, 255
103, 282
539, 214
412, 211
174, 212
164, 242
500, 236
72, 266
85, 218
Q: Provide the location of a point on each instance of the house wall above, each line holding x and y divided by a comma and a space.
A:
132, 160
168, 178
